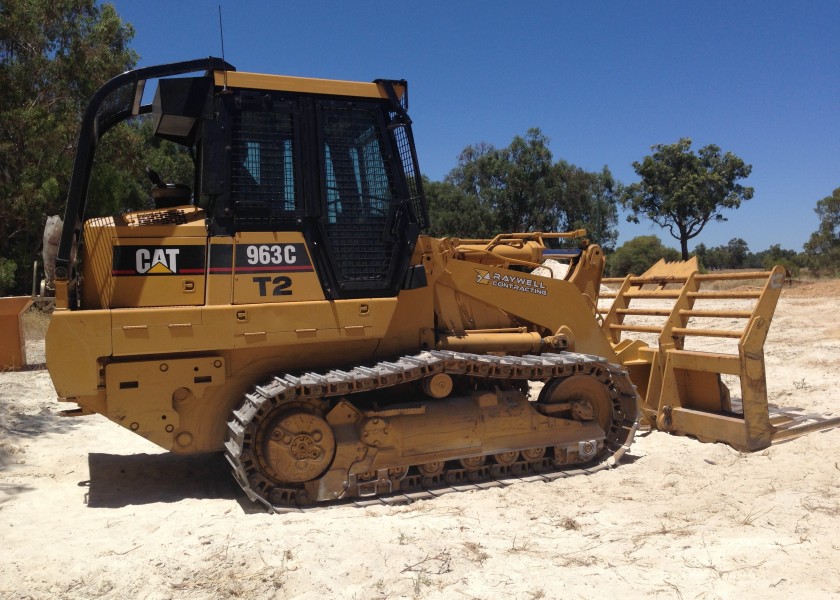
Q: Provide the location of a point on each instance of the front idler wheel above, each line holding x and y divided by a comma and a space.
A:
586, 397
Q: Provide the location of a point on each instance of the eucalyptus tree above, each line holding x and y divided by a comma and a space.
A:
683, 191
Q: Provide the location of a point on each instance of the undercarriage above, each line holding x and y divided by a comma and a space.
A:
431, 421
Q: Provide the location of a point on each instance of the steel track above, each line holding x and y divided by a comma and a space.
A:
407, 484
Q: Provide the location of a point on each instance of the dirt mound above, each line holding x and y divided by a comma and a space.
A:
813, 287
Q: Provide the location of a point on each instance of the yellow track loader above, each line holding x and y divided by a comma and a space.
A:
286, 308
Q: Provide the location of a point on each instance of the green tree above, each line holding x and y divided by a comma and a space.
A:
701, 252
514, 182
589, 201
453, 213
739, 253
683, 191
734, 255
823, 247
119, 181
717, 257
521, 188
776, 255
54, 54
7, 275
637, 255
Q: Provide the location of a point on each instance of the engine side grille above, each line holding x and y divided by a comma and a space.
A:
157, 217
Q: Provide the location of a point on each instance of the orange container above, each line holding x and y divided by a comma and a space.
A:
12, 347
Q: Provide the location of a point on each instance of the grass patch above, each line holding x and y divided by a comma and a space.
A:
35, 323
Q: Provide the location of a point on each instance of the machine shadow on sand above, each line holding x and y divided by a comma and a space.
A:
117, 480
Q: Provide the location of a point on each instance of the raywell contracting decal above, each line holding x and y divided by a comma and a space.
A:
157, 260
511, 282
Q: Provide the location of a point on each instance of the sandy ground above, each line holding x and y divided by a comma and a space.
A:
89, 510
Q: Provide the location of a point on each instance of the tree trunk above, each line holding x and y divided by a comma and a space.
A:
684, 247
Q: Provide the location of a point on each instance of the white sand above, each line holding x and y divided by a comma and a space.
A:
89, 510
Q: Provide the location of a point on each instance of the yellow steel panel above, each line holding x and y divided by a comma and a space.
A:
176, 329
112, 277
293, 323
710, 427
533, 298
663, 269
709, 362
145, 396
284, 83
167, 271
96, 264
273, 267
220, 271
75, 341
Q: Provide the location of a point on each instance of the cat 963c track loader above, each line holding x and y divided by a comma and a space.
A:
285, 308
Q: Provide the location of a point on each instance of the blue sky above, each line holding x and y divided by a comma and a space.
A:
603, 80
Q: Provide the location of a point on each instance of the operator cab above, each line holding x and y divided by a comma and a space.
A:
331, 161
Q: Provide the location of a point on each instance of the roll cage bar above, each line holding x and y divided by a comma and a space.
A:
117, 100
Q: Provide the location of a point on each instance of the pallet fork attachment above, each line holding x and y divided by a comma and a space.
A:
681, 388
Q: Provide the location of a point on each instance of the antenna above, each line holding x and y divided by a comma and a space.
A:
222, 36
